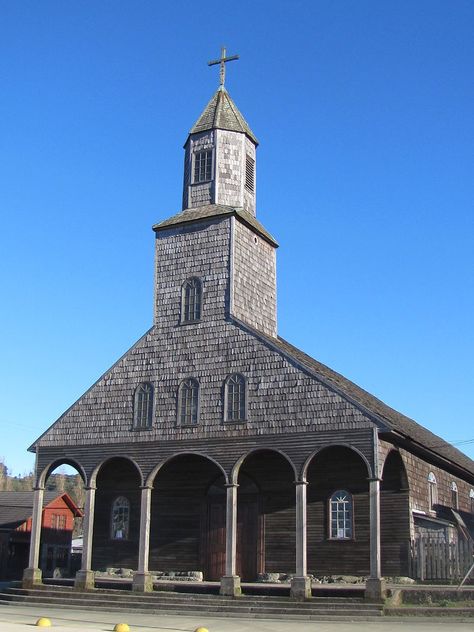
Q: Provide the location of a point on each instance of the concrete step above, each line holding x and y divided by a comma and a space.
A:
186, 598
218, 606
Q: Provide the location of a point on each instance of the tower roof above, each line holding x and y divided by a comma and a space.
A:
222, 113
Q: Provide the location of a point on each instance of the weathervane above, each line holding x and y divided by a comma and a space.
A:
222, 61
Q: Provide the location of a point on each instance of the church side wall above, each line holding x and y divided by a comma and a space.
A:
417, 470
253, 280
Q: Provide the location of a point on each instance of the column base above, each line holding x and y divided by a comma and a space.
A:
375, 589
85, 580
142, 582
230, 586
300, 588
32, 577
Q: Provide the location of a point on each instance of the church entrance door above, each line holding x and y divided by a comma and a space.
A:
249, 560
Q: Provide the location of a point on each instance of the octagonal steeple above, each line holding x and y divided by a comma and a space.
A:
220, 152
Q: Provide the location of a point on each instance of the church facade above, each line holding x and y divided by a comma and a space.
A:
214, 445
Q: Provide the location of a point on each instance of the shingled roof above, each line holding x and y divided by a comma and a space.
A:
215, 210
222, 113
389, 417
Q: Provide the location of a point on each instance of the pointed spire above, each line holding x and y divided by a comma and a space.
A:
222, 113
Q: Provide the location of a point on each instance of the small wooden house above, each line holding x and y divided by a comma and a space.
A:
57, 524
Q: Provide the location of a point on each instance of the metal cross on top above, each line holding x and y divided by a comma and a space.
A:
222, 61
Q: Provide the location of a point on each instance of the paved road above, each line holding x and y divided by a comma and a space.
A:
19, 618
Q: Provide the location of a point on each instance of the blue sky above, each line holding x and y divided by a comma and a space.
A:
364, 112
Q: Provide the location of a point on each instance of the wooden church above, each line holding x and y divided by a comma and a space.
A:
214, 445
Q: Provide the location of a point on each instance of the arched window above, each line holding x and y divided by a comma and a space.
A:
340, 515
143, 406
235, 398
471, 500
188, 402
120, 518
454, 495
432, 491
191, 300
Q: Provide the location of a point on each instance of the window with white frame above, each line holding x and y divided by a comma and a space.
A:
188, 402
235, 398
471, 500
340, 515
191, 300
203, 166
432, 491
143, 406
454, 495
120, 518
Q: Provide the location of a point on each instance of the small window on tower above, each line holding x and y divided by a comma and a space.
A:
203, 166
250, 174
191, 299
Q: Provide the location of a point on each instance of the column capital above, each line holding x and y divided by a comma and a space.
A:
229, 485
146, 486
374, 479
39, 488
301, 482
89, 488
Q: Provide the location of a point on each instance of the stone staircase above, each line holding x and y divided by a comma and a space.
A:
335, 608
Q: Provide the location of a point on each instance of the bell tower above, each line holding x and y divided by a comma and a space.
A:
216, 242
220, 154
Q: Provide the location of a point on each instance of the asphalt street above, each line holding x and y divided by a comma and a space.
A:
20, 618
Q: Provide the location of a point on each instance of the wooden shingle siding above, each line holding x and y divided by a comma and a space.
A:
281, 397
253, 280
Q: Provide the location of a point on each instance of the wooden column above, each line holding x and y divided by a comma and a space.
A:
375, 586
142, 580
85, 579
375, 560
32, 575
230, 583
301, 584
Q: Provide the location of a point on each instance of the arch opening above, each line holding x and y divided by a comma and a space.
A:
394, 516
117, 515
61, 521
338, 520
265, 518
182, 527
